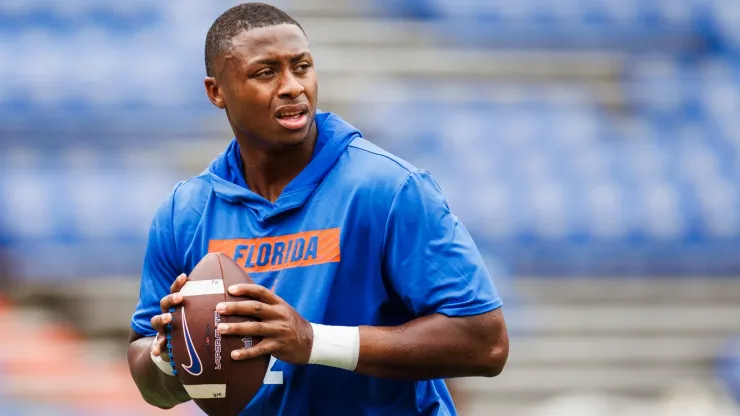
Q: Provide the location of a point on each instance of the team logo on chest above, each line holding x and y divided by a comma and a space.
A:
282, 252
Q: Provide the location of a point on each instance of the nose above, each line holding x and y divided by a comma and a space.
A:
289, 86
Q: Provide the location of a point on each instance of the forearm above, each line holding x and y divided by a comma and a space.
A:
435, 347
157, 388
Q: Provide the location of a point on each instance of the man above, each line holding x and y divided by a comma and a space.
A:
386, 295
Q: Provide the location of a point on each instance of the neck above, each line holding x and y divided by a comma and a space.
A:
267, 171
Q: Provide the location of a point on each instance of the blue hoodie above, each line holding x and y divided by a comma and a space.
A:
359, 237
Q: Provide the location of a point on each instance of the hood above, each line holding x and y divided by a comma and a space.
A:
227, 178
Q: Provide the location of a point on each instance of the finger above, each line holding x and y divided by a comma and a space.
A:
178, 283
159, 322
170, 301
262, 329
255, 291
248, 308
264, 347
159, 345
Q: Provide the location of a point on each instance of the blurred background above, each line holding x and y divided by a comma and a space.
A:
590, 146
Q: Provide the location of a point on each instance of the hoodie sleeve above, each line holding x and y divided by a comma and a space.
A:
161, 267
429, 256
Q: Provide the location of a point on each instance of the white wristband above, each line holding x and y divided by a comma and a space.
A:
163, 365
335, 346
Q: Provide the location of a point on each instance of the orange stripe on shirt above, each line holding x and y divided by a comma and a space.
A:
282, 252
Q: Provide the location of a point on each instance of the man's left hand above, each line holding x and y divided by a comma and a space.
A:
285, 334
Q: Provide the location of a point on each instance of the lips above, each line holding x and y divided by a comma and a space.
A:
290, 114
292, 117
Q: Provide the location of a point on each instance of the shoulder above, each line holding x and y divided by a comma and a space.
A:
192, 193
392, 182
181, 211
374, 168
186, 202
362, 148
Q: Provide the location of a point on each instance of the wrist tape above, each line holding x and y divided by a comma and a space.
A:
335, 346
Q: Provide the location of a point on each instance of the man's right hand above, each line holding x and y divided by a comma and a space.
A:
159, 322
156, 387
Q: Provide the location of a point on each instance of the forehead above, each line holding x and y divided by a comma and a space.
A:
279, 41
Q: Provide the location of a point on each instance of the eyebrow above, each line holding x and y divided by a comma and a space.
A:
273, 61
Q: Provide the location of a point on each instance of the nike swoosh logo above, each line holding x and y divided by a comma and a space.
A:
195, 368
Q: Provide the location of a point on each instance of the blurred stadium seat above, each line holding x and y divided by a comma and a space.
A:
56, 373
77, 205
627, 25
728, 366
574, 138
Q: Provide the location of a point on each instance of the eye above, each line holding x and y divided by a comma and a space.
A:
302, 67
265, 73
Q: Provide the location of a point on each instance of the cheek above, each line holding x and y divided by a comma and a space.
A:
245, 101
311, 87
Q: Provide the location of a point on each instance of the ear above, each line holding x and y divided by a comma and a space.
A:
213, 91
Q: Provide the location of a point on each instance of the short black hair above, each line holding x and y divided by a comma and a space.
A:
238, 19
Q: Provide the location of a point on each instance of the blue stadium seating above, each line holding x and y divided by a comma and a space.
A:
549, 181
567, 184
548, 185
71, 206
624, 24
97, 63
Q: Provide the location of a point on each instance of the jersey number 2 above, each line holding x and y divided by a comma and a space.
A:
273, 377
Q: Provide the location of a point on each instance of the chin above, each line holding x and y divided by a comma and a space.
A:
291, 140
291, 144
295, 138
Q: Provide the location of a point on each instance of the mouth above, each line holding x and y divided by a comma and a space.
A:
293, 117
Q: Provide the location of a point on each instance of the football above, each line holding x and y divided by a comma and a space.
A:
200, 356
